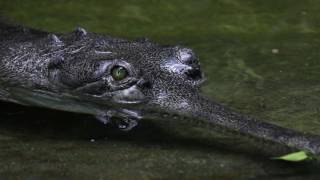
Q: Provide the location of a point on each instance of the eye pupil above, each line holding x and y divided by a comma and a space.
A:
119, 73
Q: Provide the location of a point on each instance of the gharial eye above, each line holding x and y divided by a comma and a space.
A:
119, 73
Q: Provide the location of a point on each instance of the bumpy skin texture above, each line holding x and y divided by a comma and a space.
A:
73, 72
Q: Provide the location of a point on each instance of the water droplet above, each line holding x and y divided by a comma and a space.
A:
275, 51
122, 126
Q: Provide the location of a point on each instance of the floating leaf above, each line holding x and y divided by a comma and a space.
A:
294, 157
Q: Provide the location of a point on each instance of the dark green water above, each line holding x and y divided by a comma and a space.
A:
260, 57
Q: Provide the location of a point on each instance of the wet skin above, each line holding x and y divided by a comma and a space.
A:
109, 77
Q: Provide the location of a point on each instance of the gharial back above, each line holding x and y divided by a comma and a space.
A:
16, 32
16, 47
13, 54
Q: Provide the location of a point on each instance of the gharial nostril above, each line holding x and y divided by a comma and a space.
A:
194, 74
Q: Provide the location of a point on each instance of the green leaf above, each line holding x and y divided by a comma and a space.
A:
294, 157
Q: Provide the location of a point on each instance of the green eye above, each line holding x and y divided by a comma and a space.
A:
119, 73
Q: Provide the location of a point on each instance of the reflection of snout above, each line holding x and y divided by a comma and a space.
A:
131, 95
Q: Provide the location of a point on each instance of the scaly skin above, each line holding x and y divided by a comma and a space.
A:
72, 72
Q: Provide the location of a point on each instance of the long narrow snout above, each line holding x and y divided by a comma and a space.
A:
215, 117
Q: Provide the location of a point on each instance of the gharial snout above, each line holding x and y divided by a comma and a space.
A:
198, 111
184, 65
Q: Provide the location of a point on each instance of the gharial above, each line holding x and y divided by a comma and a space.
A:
112, 77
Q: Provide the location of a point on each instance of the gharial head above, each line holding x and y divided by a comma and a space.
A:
125, 73
105, 76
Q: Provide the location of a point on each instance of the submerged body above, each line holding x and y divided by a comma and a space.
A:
111, 77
